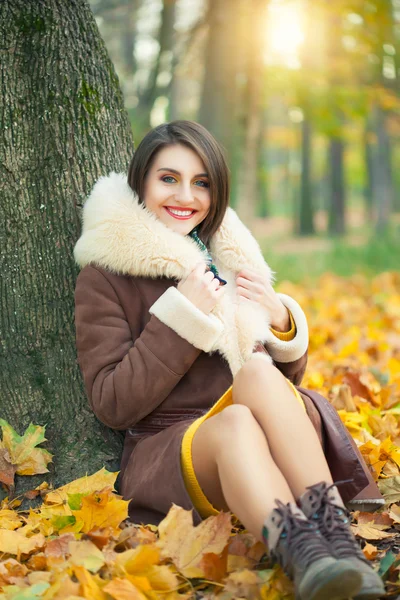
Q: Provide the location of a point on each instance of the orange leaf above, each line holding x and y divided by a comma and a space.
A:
370, 551
101, 509
214, 566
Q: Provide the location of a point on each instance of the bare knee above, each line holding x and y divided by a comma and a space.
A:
254, 370
236, 422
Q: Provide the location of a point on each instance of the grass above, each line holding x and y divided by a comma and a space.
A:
377, 254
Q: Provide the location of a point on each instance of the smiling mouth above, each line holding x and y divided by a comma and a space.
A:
180, 214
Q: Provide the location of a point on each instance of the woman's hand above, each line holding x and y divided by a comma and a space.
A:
253, 286
201, 288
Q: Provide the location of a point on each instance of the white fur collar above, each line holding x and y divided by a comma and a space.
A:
122, 236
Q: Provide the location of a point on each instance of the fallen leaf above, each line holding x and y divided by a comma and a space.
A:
13, 542
243, 584
215, 566
186, 545
137, 560
394, 513
33, 592
84, 485
84, 553
9, 519
26, 459
100, 509
371, 532
7, 469
370, 551
122, 589
383, 520
90, 587
390, 489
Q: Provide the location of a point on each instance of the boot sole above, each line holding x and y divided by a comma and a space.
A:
339, 582
370, 595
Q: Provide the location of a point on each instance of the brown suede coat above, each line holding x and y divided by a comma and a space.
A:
142, 377
152, 362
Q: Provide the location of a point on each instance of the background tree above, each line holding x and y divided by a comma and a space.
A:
62, 126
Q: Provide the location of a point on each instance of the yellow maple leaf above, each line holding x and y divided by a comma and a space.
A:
84, 485
84, 553
140, 566
91, 587
25, 458
100, 509
186, 545
136, 560
9, 519
123, 589
14, 542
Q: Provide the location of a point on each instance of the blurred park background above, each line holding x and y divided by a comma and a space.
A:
305, 97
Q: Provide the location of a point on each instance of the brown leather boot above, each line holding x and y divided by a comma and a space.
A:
323, 504
296, 544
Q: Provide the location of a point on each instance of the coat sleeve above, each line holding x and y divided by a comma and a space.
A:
294, 370
290, 352
126, 376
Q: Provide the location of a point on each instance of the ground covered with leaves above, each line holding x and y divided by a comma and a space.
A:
78, 543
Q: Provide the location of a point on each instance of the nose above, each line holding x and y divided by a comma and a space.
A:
184, 194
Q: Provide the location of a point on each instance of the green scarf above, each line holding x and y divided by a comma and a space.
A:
211, 267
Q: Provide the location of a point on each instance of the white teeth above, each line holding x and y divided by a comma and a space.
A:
181, 213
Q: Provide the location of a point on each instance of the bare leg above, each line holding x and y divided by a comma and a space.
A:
235, 469
292, 439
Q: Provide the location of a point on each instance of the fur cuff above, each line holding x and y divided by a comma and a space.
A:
176, 311
289, 351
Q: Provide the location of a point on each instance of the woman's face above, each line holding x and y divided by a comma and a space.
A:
177, 188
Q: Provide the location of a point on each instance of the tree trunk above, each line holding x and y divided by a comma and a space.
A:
336, 221
263, 208
147, 97
218, 99
306, 209
383, 179
369, 176
247, 191
63, 125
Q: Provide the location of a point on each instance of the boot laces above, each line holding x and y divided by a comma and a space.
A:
302, 537
334, 521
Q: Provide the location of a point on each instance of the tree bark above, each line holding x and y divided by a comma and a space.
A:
166, 43
383, 180
369, 175
336, 221
247, 198
306, 208
218, 99
62, 126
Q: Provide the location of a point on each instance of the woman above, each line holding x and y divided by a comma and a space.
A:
184, 344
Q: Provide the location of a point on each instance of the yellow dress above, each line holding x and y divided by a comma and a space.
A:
199, 499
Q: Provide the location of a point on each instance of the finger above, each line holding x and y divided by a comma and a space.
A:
199, 269
241, 291
215, 284
220, 290
201, 266
246, 283
251, 274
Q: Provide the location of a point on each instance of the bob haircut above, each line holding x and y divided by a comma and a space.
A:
196, 137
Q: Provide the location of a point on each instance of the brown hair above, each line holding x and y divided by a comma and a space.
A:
196, 137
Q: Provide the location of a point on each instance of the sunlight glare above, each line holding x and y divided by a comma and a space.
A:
285, 33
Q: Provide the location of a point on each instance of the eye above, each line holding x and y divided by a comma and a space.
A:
204, 183
168, 177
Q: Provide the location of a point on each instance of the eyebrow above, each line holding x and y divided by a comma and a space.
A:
178, 173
